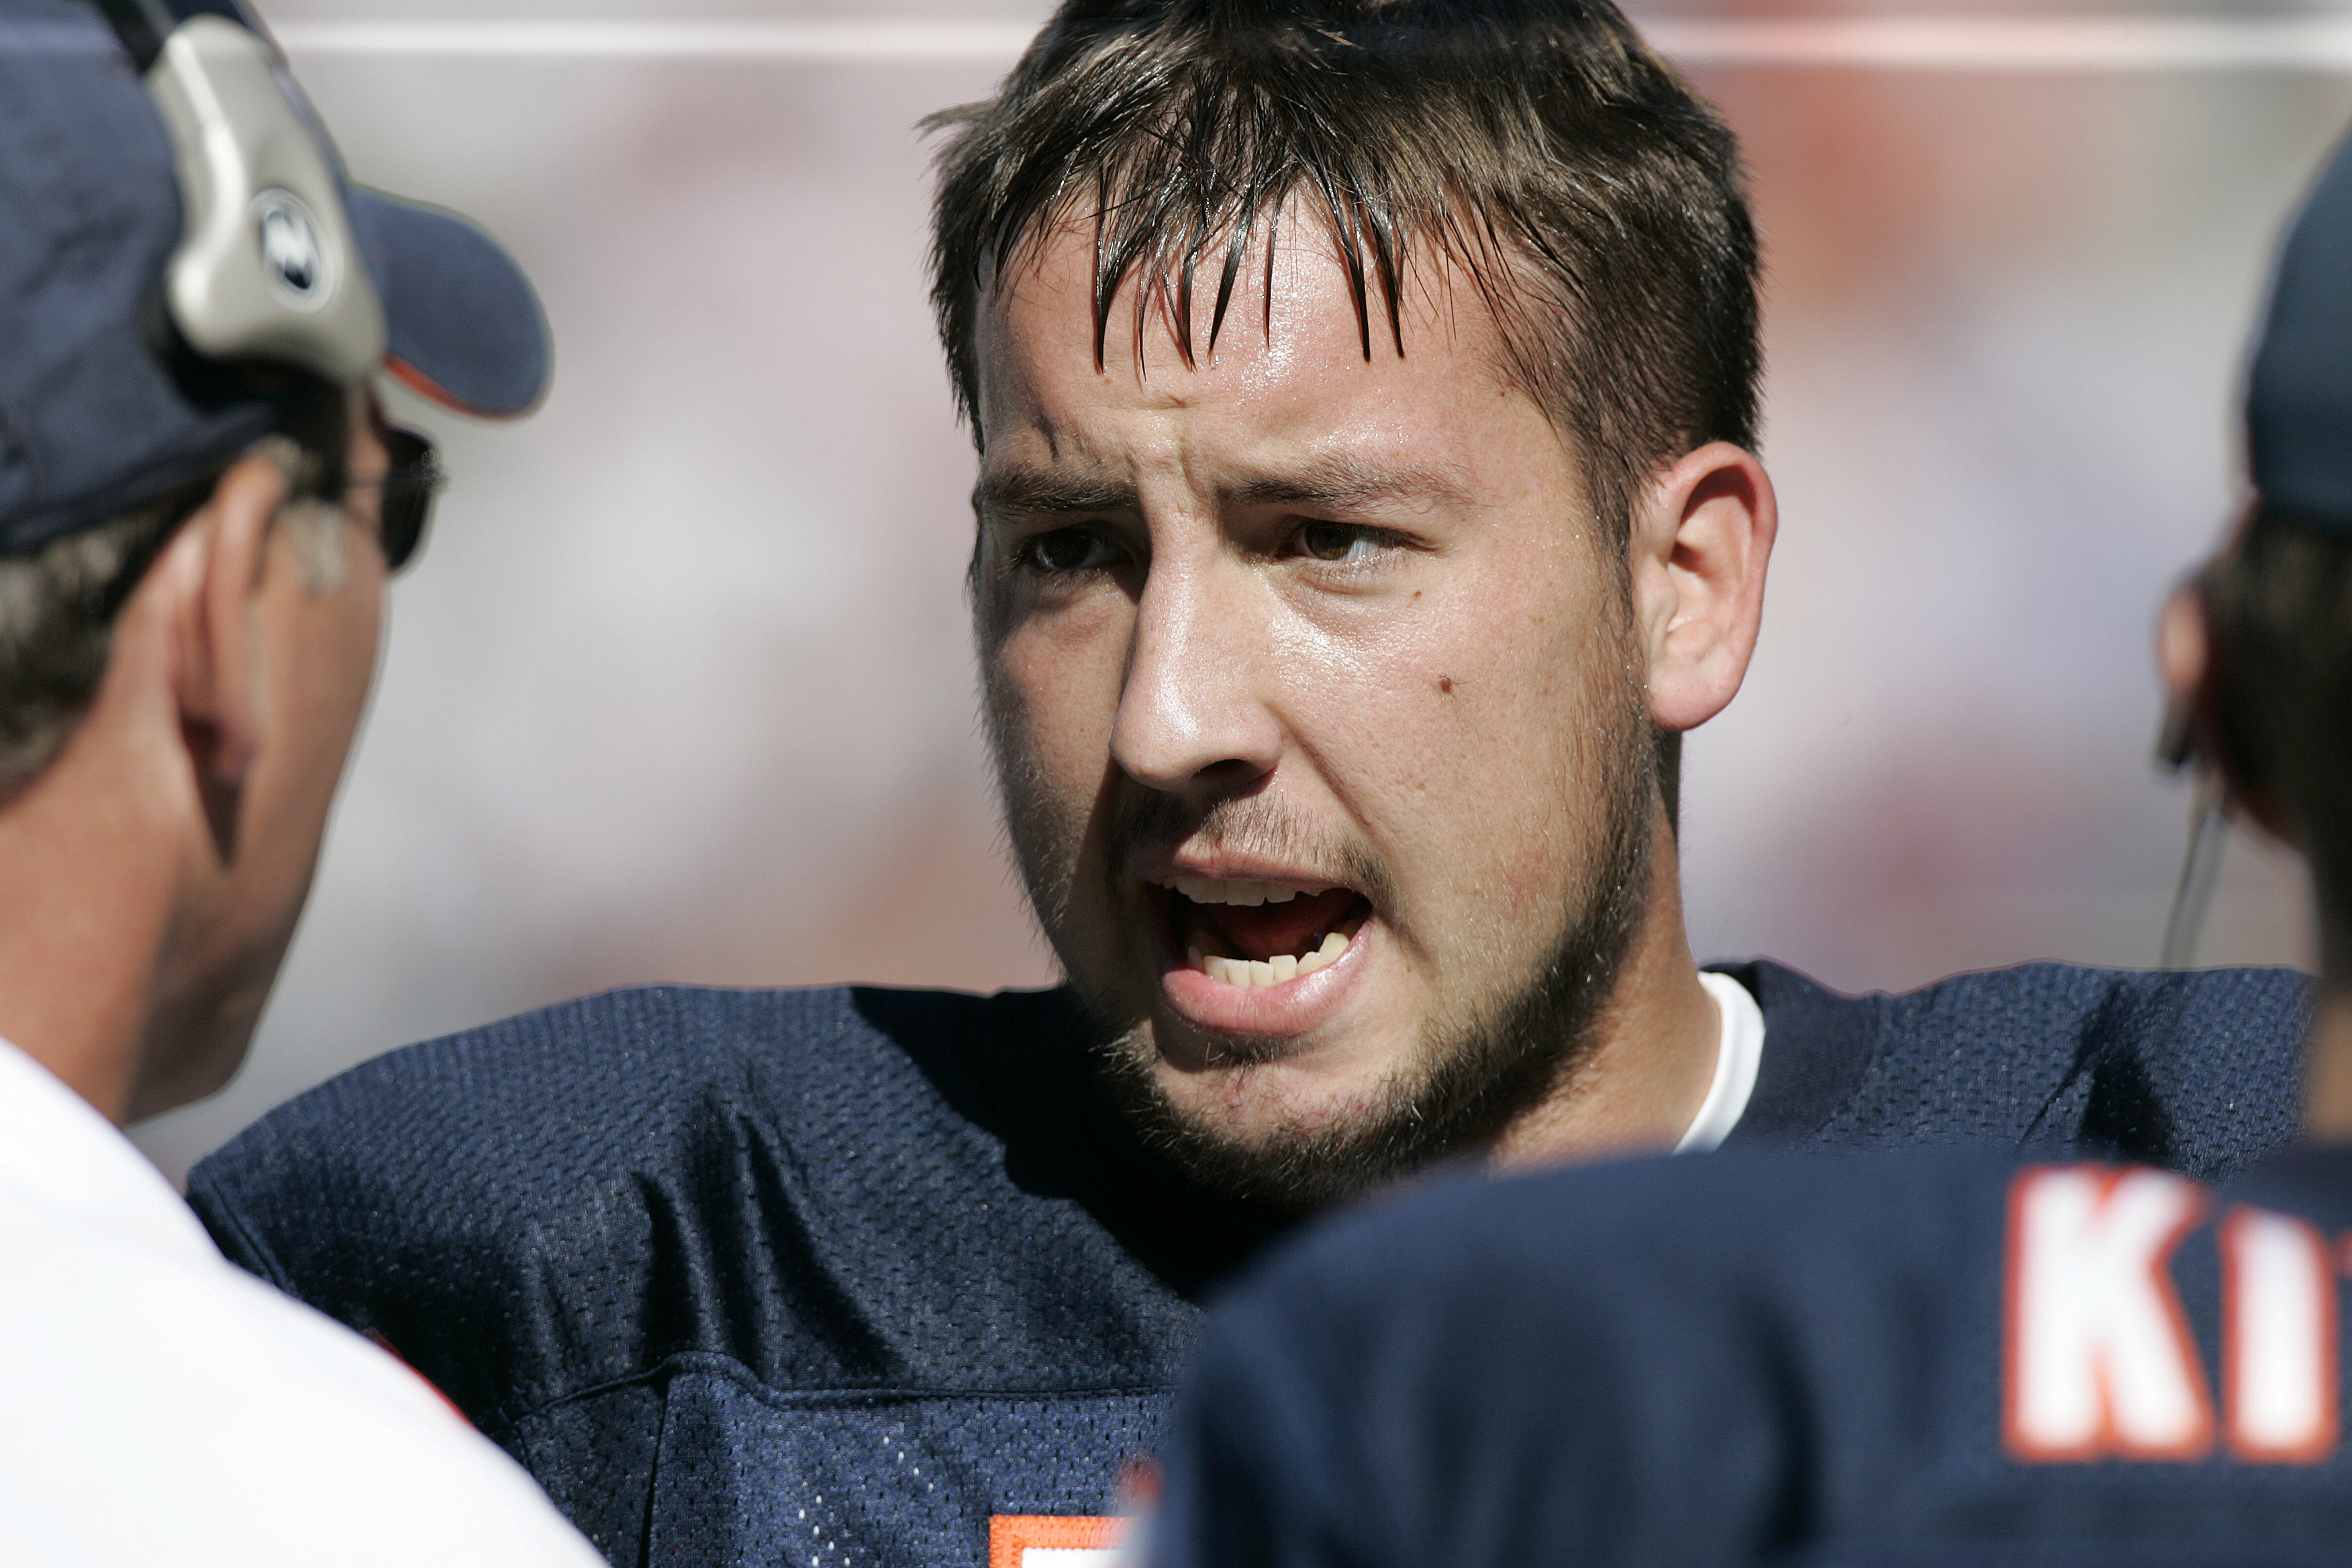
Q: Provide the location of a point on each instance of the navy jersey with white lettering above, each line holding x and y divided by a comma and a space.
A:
874, 1276
1946, 1356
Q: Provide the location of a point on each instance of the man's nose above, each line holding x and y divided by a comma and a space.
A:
1193, 715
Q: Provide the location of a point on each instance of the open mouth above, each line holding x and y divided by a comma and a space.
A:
1248, 933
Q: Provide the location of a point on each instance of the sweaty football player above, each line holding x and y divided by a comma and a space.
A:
1365, 401
1889, 1358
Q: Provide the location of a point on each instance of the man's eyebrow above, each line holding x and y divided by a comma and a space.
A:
1325, 482
1342, 481
1043, 490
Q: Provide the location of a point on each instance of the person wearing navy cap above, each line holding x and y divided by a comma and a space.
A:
199, 504
1949, 1358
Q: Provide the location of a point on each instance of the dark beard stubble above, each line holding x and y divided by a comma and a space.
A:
1473, 1076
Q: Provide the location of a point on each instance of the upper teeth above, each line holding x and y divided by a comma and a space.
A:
1210, 890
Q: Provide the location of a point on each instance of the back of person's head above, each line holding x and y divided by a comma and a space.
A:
193, 300
58, 601
2279, 600
132, 372
1539, 147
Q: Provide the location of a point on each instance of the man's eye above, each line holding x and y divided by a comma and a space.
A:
1338, 542
1066, 550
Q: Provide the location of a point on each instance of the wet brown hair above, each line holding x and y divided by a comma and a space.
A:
1592, 199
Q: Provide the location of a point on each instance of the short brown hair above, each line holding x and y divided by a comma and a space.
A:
1596, 201
2280, 604
59, 603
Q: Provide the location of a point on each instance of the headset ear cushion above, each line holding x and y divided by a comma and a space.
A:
461, 323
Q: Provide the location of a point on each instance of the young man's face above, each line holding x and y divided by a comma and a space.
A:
1317, 709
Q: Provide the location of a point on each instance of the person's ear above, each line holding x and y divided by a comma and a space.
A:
2183, 659
218, 558
2192, 705
1702, 535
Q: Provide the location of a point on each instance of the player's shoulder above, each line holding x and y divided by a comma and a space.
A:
546, 1094
1672, 1302
529, 1207
2199, 1070
1887, 1344
2239, 1001
1746, 1220
2246, 1004
1427, 1294
1847, 1262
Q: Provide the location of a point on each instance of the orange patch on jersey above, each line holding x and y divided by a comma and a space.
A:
1013, 1536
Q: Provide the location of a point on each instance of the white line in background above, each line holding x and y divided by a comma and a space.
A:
888, 39
1911, 43
2017, 43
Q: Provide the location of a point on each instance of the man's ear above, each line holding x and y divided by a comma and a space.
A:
217, 559
1702, 535
2183, 659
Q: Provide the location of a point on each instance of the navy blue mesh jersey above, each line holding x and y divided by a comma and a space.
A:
841, 1276
1950, 1356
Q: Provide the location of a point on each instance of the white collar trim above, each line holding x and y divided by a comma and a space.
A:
1737, 1056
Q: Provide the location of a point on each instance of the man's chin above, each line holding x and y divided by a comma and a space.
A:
1193, 1066
1299, 1121
1234, 1138
1258, 1121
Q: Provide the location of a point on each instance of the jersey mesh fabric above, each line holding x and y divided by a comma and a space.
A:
689, 1254
1782, 1360
2199, 1070
665, 1244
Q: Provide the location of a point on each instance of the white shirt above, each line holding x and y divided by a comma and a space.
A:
163, 1409
1738, 1054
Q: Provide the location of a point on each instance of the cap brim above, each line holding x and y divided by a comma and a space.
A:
462, 325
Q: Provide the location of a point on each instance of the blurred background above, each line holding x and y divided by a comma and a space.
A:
682, 690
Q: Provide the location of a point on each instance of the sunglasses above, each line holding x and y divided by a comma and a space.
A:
414, 478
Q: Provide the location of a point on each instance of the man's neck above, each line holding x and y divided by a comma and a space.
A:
2327, 1081
1652, 1053
89, 882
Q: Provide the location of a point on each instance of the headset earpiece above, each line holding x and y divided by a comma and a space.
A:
2175, 741
267, 267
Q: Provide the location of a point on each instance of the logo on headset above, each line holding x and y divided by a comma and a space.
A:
290, 253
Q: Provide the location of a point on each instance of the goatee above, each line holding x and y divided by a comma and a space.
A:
1473, 1076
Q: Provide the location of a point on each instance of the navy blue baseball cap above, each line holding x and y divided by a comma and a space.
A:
98, 410
2299, 398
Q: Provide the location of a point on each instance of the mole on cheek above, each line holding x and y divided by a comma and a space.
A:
1445, 684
